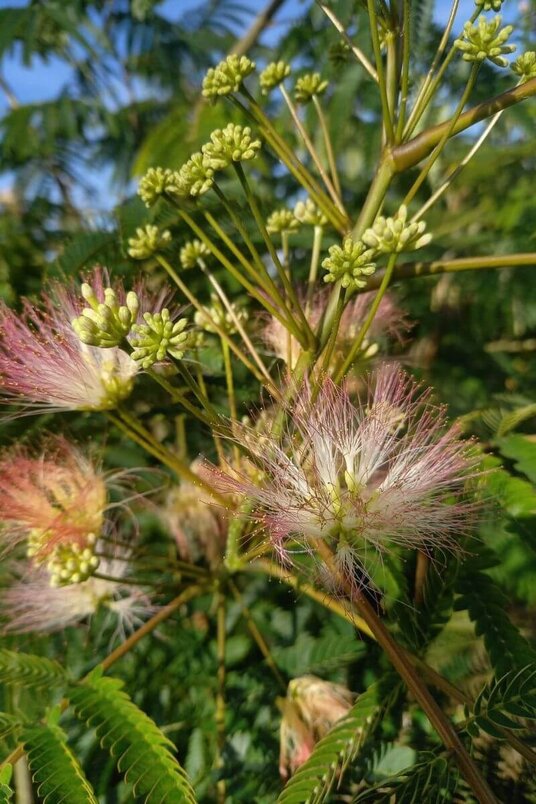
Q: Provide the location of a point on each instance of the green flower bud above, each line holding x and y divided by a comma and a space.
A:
218, 315
309, 85
308, 213
393, 235
489, 5
485, 41
149, 239
525, 66
282, 220
107, 323
196, 175
158, 338
227, 76
230, 144
349, 263
156, 182
193, 252
273, 75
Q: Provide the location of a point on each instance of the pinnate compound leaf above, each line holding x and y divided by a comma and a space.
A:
504, 700
27, 670
143, 753
432, 779
313, 781
55, 770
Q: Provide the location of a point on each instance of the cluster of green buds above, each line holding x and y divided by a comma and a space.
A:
233, 143
193, 253
349, 263
196, 176
525, 66
393, 235
226, 78
217, 316
486, 40
309, 85
66, 564
282, 221
273, 75
157, 182
105, 324
158, 337
148, 241
309, 214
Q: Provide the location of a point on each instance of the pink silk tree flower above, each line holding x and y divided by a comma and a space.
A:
310, 710
44, 364
389, 323
56, 504
365, 479
31, 604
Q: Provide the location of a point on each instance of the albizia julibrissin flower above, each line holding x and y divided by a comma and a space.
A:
43, 362
312, 707
55, 504
31, 604
363, 478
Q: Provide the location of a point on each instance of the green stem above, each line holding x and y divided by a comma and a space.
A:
220, 693
415, 270
313, 267
360, 56
287, 284
446, 135
387, 122
329, 152
177, 396
356, 346
375, 197
404, 84
411, 153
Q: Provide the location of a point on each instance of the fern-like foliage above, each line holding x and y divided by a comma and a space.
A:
55, 770
6, 793
431, 780
9, 724
143, 753
487, 606
504, 699
313, 781
27, 670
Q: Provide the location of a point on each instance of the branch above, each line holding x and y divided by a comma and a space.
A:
259, 24
411, 153
414, 270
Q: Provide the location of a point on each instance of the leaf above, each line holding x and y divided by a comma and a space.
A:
313, 780
499, 702
429, 781
6, 793
27, 670
84, 250
308, 654
55, 770
143, 753
522, 451
487, 605
8, 725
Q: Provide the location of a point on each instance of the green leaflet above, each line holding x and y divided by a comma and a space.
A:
27, 670
85, 249
143, 754
309, 654
55, 770
431, 780
522, 451
6, 793
503, 700
487, 605
312, 782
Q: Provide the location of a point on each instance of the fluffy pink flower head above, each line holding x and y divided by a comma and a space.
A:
385, 473
310, 710
31, 604
390, 322
56, 504
43, 362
